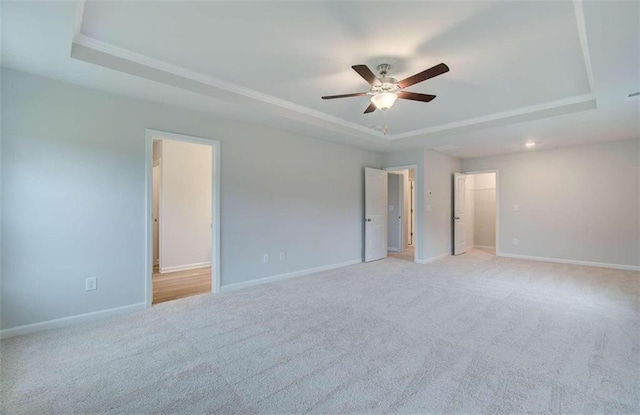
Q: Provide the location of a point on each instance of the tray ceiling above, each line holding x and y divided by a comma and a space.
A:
554, 72
506, 58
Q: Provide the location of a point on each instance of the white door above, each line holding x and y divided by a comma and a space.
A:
156, 188
459, 192
375, 214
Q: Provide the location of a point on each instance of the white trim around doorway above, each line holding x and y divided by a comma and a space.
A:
417, 242
150, 135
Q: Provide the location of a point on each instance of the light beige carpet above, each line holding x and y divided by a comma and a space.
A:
467, 334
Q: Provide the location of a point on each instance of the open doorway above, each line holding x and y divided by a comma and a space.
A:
401, 214
476, 212
183, 201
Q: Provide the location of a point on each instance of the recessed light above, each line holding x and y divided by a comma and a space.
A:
530, 144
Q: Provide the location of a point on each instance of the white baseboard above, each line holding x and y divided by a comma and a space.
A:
185, 267
238, 285
432, 259
67, 321
392, 249
483, 246
572, 262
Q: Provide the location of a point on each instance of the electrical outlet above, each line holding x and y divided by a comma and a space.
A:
515, 241
91, 284
265, 258
516, 208
281, 256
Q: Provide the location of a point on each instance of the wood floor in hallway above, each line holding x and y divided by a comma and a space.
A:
406, 255
180, 284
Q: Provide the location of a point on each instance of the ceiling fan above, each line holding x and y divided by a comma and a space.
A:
385, 90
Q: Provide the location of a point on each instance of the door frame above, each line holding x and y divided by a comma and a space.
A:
157, 163
417, 182
412, 211
215, 206
401, 209
456, 217
497, 202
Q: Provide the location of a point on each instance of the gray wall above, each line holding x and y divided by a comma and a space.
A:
469, 212
393, 197
73, 184
484, 220
433, 199
413, 157
406, 231
439, 169
185, 205
484, 211
577, 203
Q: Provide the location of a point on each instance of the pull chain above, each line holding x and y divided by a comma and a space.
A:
385, 128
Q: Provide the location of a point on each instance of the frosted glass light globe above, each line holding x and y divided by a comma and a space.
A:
384, 100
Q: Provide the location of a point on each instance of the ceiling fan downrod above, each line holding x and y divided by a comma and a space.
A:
383, 69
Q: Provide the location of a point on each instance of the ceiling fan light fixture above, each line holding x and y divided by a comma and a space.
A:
384, 100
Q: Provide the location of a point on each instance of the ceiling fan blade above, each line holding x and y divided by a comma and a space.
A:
424, 75
414, 96
357, 94
370, 108
365, 72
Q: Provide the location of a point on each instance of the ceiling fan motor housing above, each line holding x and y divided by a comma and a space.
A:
385, 83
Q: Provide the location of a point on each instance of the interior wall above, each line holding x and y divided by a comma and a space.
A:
411, 240
469, 220
393, 218
405, 158
433, 199
411, 212
439, 169
157, 150
406, 205
73, 183
484, 210
185, 203
577, 203
484, 181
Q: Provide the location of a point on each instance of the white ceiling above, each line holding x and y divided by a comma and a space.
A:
519, 70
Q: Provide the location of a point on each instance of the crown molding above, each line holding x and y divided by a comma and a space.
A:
94, 51
77, 23
545, 110
582, 35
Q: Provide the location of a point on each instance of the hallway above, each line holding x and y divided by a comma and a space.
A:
406, 255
